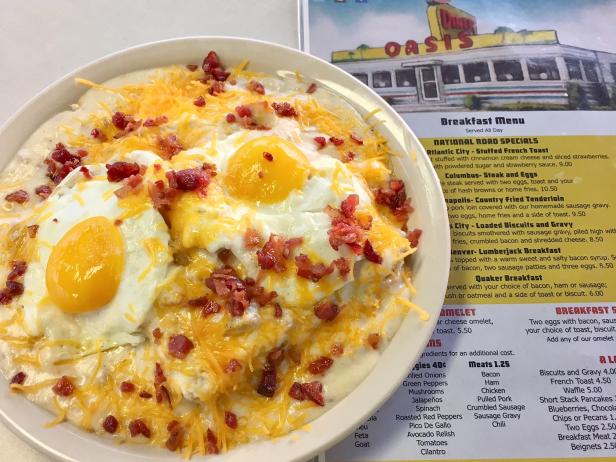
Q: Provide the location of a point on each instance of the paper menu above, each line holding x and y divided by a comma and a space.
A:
522, 364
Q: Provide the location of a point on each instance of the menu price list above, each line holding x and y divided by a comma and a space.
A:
486, 386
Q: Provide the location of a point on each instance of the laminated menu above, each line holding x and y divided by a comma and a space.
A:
515, 104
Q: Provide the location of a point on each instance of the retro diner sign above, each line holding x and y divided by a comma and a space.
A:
451, 29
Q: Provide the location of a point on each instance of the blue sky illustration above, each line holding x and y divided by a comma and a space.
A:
338, 25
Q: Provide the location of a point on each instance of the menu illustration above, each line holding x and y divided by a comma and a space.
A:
515, 104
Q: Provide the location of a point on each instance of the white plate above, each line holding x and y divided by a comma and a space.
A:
431, 263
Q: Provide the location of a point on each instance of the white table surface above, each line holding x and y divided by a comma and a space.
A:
41, 40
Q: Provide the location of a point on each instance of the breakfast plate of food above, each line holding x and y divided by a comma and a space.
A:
212, 247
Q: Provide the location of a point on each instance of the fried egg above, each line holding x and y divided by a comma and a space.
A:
97, 261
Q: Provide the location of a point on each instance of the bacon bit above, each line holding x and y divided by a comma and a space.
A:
55, 220
320, 365
243, 111
180, 346
20, 196
212, 442
343, 266
413, 237
14, 288
86, 173
60, 163
255, 116
267, 385
311, 390
127, 387
326, 310
163, 394
216, 88
132, 185
256, 87
161, 196
120, 120
210, 307
220, 75
224, 255
277, 310
226, 283
211, 62
138, 427
145, 395
231, 420
348, 157
98, 134
233, 366
374, 340
43, 191
192, 67
356, 139
275, 356
110, 424
157, 334
337, 349
192, 179
268, 156
118, 171
284, 109
313, 271
176, 436
276, 250
157, 167
258, 293
117, 222
159, 375
19, 378
199, 101
169, 146
5, 297
320, 141
370, 254
64, 386
156, 122
394, 196
336, 141
252, 238
18, 269
311, 88
345, 227
230, 118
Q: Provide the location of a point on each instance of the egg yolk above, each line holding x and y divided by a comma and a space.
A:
85, 266
266, 170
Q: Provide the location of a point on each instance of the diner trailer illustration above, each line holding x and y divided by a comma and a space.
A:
455, 68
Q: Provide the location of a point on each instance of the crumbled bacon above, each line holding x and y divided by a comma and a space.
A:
20, 196
336, 141
267, 385
394, 196
192, 179
207, 306
310, 390
124, 123
169, 146
252, 238
211, 61
145, 395
320, 141
199, 101
157, 334
277, 310
132, 185
259, 294
233, 366
345, 227
320, 365
192, 67
284, 110
118, 171
371, 254
255, 116
230, 118
356, 139
138, 427
226, 283
179, 346
311, 88
161, 196
413, 237
276, 251
337, 349
127, 387
212, 442
224, 255
86, 173
43, 191
159, 375
110, 424
374, 340
256, 87
176, 435
19, 378
61, 162
5, 297
343, 266
219, 75
156, 121
14, 288
163, 394
313, 271
98, 134
64, 386
268, 156
230, 420
348, 157
216, 88
326, 310
18, 269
